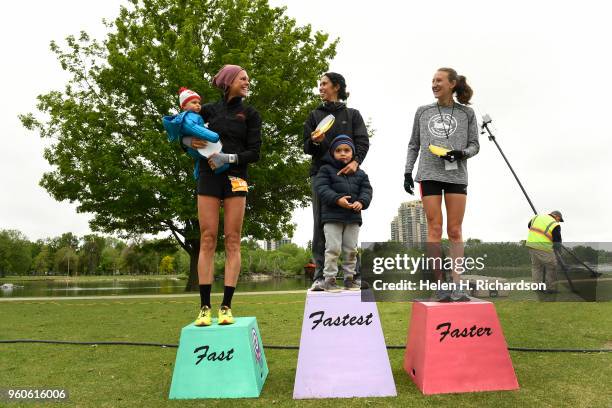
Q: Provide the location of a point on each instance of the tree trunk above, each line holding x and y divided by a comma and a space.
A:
194, 252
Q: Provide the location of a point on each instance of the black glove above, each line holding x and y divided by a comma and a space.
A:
454, 155
408, 183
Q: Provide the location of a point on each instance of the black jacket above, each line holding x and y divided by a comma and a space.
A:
239, 127
330, 187
348, 122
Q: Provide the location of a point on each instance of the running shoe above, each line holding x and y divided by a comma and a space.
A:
329, 285
204, 317
459, 296
442, 295
362, 284
225, 316
317, 285
351, 284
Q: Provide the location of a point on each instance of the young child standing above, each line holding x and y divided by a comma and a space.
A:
343, 197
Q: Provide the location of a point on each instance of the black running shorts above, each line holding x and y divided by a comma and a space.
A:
432, 187
221, 186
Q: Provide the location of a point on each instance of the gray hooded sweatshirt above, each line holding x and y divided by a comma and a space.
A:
429, 127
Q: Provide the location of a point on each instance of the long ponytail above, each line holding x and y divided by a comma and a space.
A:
463, 91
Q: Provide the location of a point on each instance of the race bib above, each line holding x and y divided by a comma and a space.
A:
450, 166
238, 184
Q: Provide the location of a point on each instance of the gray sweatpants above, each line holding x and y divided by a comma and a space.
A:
544, 267
340, 238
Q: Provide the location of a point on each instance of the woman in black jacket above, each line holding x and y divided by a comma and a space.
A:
332, 89
239, 128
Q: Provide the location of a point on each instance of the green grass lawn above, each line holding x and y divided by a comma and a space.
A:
125, 376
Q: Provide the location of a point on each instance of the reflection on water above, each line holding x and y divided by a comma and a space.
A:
42, 288
109, 288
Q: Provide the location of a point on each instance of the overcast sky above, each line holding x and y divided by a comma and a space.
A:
541, 70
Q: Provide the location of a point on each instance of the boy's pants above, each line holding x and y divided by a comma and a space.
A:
340, 237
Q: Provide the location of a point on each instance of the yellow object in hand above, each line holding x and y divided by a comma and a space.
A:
438, 151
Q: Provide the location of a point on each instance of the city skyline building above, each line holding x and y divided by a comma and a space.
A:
409, 226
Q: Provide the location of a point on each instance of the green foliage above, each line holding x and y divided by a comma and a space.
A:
586, 253
109, 151
66, 261
499, 254
91, 253
43, 261
181, 262
15, 253
167, 265
109, 261
98, 255
289, 259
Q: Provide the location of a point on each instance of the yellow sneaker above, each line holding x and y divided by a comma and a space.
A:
204, 318
225, 315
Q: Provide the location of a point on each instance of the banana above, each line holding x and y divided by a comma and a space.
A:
438, 151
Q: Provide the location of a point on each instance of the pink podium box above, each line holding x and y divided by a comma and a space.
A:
457, 347
342, 349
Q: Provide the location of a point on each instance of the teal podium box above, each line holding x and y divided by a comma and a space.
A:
220, 361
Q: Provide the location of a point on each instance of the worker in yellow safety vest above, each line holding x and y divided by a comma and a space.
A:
543, 239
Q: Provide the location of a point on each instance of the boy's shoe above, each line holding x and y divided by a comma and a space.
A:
459, 296
317, 285
225, 316
442, 295
204, 318
329, 285
350, 284
362, 284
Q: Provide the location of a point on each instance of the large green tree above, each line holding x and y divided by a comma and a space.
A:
90, 253
15, 253
43, 261
108, 148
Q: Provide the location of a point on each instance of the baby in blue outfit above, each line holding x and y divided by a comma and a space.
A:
189, 124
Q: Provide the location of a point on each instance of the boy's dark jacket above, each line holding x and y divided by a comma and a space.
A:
330, 187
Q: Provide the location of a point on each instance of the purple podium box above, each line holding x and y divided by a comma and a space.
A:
342, 349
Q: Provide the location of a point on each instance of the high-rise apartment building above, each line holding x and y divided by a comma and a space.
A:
410, 224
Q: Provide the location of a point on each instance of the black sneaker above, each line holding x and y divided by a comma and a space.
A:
442, 295
351, 284
329, 285
362, 284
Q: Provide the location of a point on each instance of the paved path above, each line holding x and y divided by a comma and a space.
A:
178, 295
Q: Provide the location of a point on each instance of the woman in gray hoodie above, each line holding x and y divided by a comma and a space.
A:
444, 135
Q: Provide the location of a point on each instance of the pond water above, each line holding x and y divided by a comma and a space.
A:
122, 286
138, 286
